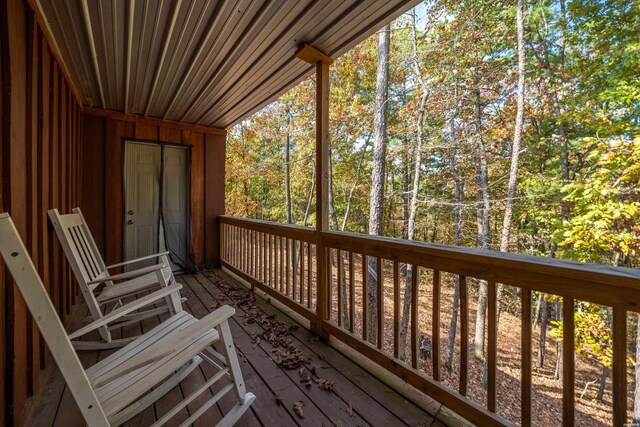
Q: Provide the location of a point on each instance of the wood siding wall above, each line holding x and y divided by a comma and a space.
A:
102, 172
39, 155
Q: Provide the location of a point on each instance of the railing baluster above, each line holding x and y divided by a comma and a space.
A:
525, 380
352, 308
380, 300
294, 270
464, 334
288, 264
414, 315
254, 250
234, 240
568, 367
396, 309
330, 281
365, 302
301, 278
282, 265
619, 366
339, 286
309, 274
271, 258
243, 250
435, 326
492, 345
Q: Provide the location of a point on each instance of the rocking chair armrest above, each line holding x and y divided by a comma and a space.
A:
128, 274
127, 308
131, 261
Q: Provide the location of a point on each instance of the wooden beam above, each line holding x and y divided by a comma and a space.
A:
322, 192
312, 55
117, 115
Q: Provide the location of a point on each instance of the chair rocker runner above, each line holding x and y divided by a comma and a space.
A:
134, 377
103, 291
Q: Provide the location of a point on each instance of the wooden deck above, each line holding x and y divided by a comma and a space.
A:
329, 388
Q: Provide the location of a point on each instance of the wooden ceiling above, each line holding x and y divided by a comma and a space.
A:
211, 63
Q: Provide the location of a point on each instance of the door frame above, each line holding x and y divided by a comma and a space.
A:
123, 215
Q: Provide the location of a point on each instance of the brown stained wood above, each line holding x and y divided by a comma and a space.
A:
568, 363
380, 301
272, 292
54, 246
340, 267
365, 303
263, 267
371, 399
414, 315
435, 326
464, 335
146, 131
295, 270
281, 264
43, 168
312, 55
196, 140
149, 121
492, 345
295, 232
214, 161
352, 291
309, 274
330, 282
114, 197
525, 378
396, 309
270, 257
619, 366
15, 190
287, 244
93, 179
528, 272
167, 134
33, 334
300, 260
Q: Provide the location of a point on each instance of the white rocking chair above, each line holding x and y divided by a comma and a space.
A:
120, 386
91, 273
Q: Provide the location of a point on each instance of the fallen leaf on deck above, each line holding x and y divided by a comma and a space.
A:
297, 408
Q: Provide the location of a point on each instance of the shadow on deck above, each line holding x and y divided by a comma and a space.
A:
283, 364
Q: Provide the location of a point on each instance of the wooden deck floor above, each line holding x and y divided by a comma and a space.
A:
355, 397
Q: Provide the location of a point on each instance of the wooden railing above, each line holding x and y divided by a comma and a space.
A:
280, 260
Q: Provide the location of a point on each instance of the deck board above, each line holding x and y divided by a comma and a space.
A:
357, 397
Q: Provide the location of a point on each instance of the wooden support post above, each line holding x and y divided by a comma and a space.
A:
322, 63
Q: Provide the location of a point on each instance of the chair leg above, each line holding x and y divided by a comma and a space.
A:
229, 353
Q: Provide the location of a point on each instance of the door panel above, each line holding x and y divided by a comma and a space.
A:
145, 233
175, 202
142, 204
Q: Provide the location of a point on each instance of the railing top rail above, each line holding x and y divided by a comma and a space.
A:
557, 276
296, 232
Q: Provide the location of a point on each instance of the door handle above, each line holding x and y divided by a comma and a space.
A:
130, 222
130, 212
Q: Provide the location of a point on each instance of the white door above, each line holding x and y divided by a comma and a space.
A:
154, 223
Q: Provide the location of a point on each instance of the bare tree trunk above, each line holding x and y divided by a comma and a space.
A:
287, 171
544, 321
457, 220
517, 138
310, 198
334, 225
413, 208
482, 216
378, 174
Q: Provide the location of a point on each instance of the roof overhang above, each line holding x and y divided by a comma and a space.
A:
210, 63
